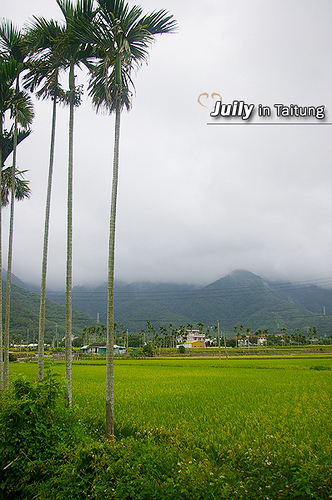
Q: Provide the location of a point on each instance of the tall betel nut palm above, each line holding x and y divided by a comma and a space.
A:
75, 53
45, 63
21, 111
121, 36
8, 71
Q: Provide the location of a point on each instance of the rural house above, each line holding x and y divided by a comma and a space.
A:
100, 348
194, 339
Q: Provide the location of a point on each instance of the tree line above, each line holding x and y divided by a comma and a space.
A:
170, 337
244, 335
110, 39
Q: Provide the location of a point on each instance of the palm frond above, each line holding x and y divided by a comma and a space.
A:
22, 108
66, 97
22, 189
118, 8
159, 22
44, 75
9, 69
41, 35
7, 141
11, 40
106, 94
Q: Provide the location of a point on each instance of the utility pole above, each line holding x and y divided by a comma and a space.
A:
219, 340
225, 345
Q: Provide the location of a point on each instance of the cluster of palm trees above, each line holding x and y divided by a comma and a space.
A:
171, 336
274, 339
109, 39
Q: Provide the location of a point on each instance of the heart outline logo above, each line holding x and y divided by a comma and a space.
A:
207, 96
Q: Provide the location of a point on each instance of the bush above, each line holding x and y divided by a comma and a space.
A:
136, 353
182, 349
147, 350
35, 429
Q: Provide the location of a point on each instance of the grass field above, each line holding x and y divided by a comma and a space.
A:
260, 427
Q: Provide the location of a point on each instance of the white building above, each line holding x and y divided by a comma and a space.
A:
194, 339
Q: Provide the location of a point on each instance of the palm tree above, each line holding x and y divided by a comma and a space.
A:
121, 37
25, 116
21, 110
45, 63
8, 69
21, 190
74, 52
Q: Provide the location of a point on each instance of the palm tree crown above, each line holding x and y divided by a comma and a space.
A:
121, 37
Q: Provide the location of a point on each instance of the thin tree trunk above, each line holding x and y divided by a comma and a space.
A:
110, 298
41, 335
9, 266
68, 314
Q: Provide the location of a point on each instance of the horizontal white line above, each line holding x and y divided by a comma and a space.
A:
269, 123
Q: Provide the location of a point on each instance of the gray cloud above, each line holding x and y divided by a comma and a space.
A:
195, 201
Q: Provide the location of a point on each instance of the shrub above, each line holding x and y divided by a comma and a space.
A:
136, 353
35, 429
147, 350
182, 349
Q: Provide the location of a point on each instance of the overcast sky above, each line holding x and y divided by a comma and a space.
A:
195, 200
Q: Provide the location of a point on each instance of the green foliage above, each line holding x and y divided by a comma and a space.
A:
136, 353
148, 350
35, 429
25, 310
182, 349
78, 342
134, 340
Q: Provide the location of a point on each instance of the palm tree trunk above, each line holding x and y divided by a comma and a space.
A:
110, 298
9, 267
68, 313
41, 335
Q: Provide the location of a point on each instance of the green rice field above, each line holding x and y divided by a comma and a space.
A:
260, 423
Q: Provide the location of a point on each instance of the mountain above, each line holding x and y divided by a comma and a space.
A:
315, 299
135, 303
239, 298
24, 315
245, 298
